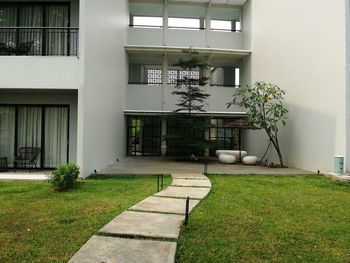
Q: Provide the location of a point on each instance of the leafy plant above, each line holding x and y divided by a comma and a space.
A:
64, 177
264, 106
191, 98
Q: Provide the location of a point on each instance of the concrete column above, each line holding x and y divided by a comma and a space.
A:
207, 25
207, 137
164, 79
165, 22
164, 133
233, 25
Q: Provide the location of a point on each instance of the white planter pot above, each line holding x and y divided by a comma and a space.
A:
250, 160
235, 153
227, 159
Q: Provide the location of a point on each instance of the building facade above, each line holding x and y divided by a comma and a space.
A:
90, 81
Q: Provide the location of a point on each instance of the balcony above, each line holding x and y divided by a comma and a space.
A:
39, 41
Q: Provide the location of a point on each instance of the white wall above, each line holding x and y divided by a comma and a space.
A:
347, 28
144, 97
145, 36
102, 94
226, 40
26, 72
300, 46
185, 38
48, 97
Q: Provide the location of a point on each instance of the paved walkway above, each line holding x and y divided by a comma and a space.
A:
148, 231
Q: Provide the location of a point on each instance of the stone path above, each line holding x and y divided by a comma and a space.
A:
148, 231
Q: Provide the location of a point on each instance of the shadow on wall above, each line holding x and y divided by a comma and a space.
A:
308, 141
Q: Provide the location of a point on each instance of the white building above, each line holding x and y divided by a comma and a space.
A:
88, 81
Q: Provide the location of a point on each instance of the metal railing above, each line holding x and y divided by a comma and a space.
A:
39, 41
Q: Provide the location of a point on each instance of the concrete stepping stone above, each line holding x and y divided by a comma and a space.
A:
184, 192
164, 205
144, 224
189, 182
121, 250
189, 176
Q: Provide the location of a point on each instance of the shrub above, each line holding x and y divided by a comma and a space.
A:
64, 177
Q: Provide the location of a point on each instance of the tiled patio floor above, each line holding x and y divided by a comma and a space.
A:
24, 175
167, 165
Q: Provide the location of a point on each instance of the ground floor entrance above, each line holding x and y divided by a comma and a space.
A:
148, 135
41, 127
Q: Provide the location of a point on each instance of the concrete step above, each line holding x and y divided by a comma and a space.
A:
190, 182
164, 205
122, 250
189, 176
144, 224
184, 192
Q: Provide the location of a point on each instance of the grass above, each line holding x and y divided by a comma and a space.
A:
269, 219
37, 225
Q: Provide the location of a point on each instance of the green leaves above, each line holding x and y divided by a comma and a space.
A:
263, 103
191, 96
64, 177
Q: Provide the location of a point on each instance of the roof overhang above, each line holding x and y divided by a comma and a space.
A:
171, 50
201, 114
218, 2
213, 56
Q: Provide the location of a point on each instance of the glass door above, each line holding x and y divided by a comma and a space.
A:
29, 125
45, 127
56, 136
7, 133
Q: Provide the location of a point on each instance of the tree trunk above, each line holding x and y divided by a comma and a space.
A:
274, 140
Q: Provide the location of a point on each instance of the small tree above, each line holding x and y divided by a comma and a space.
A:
188, 86
264, 105
191, 99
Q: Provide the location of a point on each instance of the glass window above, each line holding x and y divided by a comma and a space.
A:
45, 127
183, 127
225, 76
147, 21
189, 23
221, 25
31, 18
144, 136
222, 138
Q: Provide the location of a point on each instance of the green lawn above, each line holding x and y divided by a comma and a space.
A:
37, 225
269, 219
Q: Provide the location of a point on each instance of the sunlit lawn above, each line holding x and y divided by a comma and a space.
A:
269, 219
37, 225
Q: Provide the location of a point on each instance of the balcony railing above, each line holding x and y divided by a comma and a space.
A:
39, 41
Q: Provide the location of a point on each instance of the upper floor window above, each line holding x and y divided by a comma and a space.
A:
225, 76
224, 25
225, 19
38, 28
143, 14
185, 23
147, 21
186, 16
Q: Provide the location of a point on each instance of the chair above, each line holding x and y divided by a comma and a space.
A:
27, 156
3, 49
23, 49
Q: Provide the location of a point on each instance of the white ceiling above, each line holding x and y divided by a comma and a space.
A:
228, 2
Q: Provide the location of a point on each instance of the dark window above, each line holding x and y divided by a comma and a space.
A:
144, 136
222, 138
225, 76
46, 127
40, 28
183, 127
